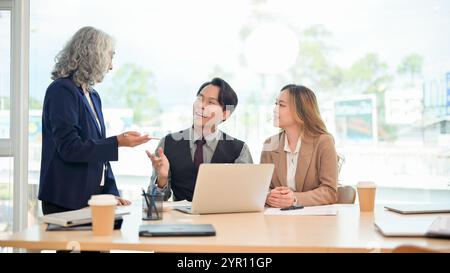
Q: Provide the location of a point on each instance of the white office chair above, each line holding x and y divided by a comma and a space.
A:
346, 194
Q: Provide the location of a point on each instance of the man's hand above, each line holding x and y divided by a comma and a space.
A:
161, 165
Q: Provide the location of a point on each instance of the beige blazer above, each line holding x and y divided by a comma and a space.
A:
316, 174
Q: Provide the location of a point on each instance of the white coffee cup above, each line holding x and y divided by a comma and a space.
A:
103, 208
366, 195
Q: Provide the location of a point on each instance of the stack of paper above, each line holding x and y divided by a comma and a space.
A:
77, 217
176, 204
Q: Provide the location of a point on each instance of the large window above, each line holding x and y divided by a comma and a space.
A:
380, 74
6, 162
6, 195
5, 79
14, 33
13, 114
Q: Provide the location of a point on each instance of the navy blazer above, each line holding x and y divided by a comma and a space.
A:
74, 148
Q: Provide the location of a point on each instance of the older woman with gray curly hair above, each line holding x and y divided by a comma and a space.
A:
75, 150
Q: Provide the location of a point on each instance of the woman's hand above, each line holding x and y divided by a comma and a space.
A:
122, 202
161, 165
132, 139
280, 197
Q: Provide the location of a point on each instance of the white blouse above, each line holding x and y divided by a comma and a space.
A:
291, 160
88, 97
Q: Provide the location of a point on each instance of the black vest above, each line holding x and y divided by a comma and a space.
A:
182, 169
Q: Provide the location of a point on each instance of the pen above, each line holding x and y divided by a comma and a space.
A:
148, 204
151, 203
154, 193
292, 208
152, 200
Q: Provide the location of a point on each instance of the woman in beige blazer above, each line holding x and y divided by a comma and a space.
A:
303, 153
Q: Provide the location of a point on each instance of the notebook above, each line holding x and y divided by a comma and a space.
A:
417, 227
76, 217
160, 230
419, 208
52, 227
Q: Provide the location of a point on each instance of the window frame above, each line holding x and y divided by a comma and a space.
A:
16, 145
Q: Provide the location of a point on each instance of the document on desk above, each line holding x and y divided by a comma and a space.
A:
329, 210
176, 204
77, 217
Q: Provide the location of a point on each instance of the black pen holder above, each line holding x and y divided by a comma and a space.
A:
152, 206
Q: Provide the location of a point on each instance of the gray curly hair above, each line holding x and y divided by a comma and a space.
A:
86, 58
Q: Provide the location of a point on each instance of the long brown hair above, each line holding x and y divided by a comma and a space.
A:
304, 101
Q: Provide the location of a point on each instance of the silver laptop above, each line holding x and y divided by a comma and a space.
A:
227, 188
403, 227
419, 208
415, 227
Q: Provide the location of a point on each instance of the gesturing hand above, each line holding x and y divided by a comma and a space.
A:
132, 139
161, 165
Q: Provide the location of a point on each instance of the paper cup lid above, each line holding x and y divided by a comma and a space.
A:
102, 200
366, 184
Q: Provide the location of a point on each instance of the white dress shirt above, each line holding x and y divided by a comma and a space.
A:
212, 140
291, 162
88, 97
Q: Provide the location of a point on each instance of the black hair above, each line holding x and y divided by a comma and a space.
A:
227, 96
